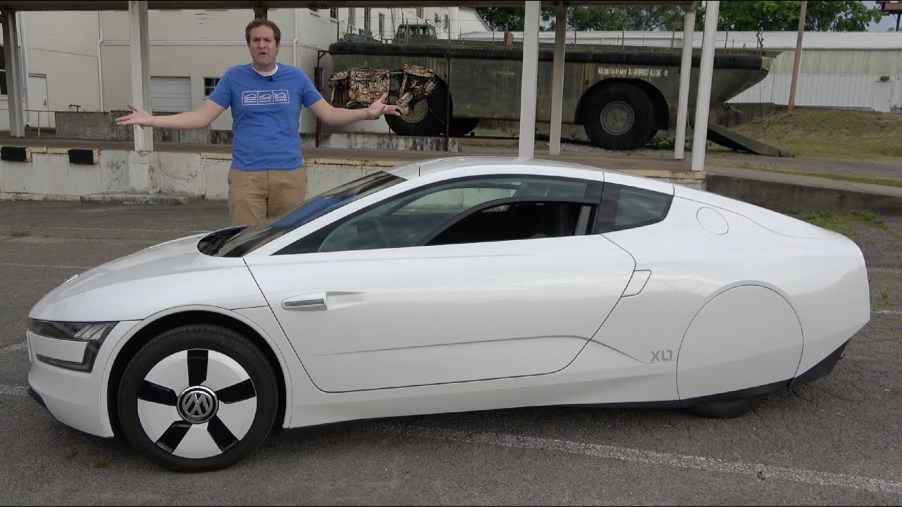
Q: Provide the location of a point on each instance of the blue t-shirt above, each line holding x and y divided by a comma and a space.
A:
265, 115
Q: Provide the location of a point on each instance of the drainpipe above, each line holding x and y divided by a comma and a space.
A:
294, 42
23, 52
100, 59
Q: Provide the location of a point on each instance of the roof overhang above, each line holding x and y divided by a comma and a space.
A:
113, 5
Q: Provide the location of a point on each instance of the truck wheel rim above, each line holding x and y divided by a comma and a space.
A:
617, 118
197, 403
418, 111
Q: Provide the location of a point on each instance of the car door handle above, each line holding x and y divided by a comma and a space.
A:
305, 305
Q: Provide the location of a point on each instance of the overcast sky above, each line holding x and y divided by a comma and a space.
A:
887, 23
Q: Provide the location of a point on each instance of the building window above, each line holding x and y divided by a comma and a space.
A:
366, 21
209, 84
382, 26
333, 13
419, 12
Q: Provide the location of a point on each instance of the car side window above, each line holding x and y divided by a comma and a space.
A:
464, 211
625, 207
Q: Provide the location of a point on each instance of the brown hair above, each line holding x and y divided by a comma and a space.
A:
262, 22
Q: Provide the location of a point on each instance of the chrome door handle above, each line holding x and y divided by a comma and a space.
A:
305, 305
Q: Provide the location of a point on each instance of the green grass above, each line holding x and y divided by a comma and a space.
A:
840, 177
843, 222
850, 135
19, 234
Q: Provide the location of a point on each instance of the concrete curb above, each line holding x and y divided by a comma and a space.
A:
135, 198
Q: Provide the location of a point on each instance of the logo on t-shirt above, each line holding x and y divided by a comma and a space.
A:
264, 97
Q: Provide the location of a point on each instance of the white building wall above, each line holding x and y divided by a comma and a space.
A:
62, 47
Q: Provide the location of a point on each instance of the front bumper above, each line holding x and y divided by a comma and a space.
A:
75, 398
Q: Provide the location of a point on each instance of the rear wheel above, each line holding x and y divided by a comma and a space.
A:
619, 117
426, 117
197, 398
725, 409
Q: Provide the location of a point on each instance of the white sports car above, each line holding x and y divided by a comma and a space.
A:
447, 285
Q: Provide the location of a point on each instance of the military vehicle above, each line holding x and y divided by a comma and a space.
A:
622, 96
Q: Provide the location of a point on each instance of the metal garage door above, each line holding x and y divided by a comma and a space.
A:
170, 94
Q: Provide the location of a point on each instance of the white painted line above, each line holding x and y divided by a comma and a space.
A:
42, 266
660, 459
13, 390
887, 312
14, 347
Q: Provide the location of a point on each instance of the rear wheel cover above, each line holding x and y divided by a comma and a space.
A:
197, 398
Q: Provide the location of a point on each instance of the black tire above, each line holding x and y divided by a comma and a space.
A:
725, 409
462, 126
197, 398
619, 117
426, 117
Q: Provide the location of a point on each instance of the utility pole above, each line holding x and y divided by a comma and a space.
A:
798, 58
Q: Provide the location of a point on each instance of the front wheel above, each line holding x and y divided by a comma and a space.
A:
197, 398
619, 117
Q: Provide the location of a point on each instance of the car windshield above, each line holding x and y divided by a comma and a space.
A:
251, 238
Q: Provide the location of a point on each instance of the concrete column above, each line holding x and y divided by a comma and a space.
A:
144, 174
14, 70
679, 146
530, 75
140, 69
557, 79
705, 74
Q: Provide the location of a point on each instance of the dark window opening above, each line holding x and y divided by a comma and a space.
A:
210, 85
482, 209
628, 207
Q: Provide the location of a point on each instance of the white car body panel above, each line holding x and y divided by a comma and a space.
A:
74, 398
492, 310
761, 325
719, 296
142, 284
597, 375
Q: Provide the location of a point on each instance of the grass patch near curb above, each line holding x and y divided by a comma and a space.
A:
844, 222
833, 176
830, 133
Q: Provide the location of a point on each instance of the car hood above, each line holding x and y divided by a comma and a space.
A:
165, 276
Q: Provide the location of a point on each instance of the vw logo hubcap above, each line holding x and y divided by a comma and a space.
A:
197, 404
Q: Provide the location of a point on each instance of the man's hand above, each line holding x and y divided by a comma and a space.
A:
137, 117
379, 107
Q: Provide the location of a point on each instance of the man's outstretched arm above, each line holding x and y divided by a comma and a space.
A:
198, 118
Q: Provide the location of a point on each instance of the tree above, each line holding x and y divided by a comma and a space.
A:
821, 16
646, 18
504, 19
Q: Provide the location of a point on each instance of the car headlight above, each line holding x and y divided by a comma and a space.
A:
90, 334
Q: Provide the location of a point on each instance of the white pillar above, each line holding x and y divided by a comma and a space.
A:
14, 70
557, 79
705, 73
139, 55
679, 146
530, 75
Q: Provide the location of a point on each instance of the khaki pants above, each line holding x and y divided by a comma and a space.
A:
255, 196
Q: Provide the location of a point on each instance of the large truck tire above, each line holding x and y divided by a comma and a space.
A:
426, 116
462, 126
619, 117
